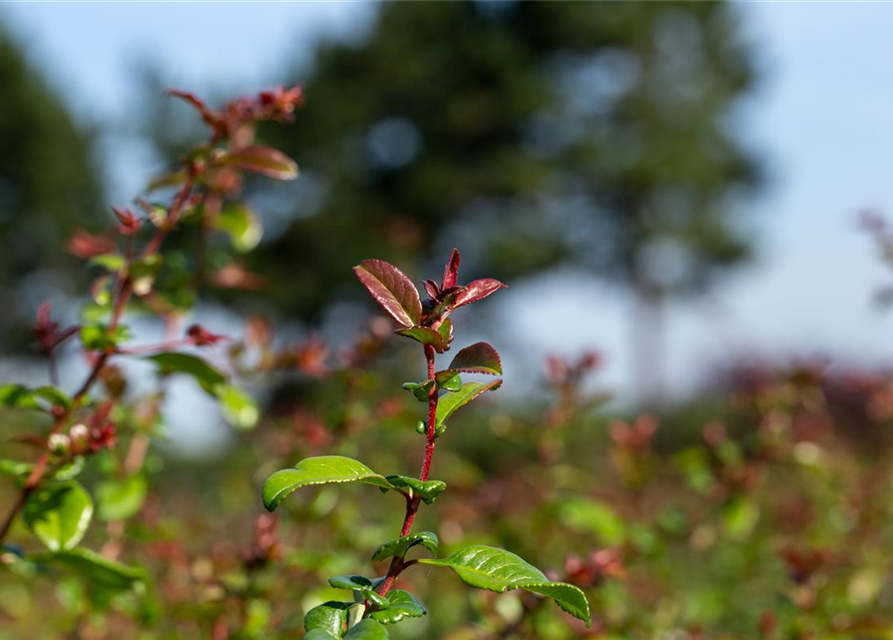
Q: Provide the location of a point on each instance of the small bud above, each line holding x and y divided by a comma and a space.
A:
59, 443
421, 427
79, 434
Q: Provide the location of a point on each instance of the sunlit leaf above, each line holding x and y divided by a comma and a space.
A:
500, 570
452, 402
318, 470
330, 617
361, 585
265, 161
239, 409
451, 270
392, 289
428, 490
480, 357
121, 499
477, 290
421, 390
399, 546
59, 514
402, 605
242, 225
424, 335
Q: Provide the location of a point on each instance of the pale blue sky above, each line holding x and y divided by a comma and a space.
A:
822, 118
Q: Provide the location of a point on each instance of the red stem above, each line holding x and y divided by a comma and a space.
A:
37, 473
412, 505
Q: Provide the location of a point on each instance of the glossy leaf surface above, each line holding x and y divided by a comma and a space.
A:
477, 290
330, 617
428, 490
59, 515
421, 390
424, 335
403, 605
452, 402
361, 585
499, 570
392, 289
448, 380
399, 546
318, 470
480, 357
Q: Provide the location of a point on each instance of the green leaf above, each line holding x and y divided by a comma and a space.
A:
480, 357
449, 380
403, 605
500, 570
98, 571
399, 546
446, 332
319, 634
174, 362
239, 409
361, 585
242, 225
424, 335
330, 617
108, 261
59, 514
121, 499
70, 470
452, 402
367, 630
15, 468
99, 337
428, 490
318, 470
421, 390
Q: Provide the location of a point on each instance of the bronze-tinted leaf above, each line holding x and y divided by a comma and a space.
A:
477, 290
266, 161
392, 289
480, 357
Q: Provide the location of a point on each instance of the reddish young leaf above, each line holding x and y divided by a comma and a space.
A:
392, 289
266, 161
477, 290
480, 357
451, 271
130, 224
86, 245
432, 289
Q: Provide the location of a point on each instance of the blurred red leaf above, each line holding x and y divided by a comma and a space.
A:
265, 161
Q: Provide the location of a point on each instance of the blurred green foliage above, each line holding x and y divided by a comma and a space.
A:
536, 134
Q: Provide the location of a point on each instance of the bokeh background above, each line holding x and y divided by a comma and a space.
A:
675, 186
